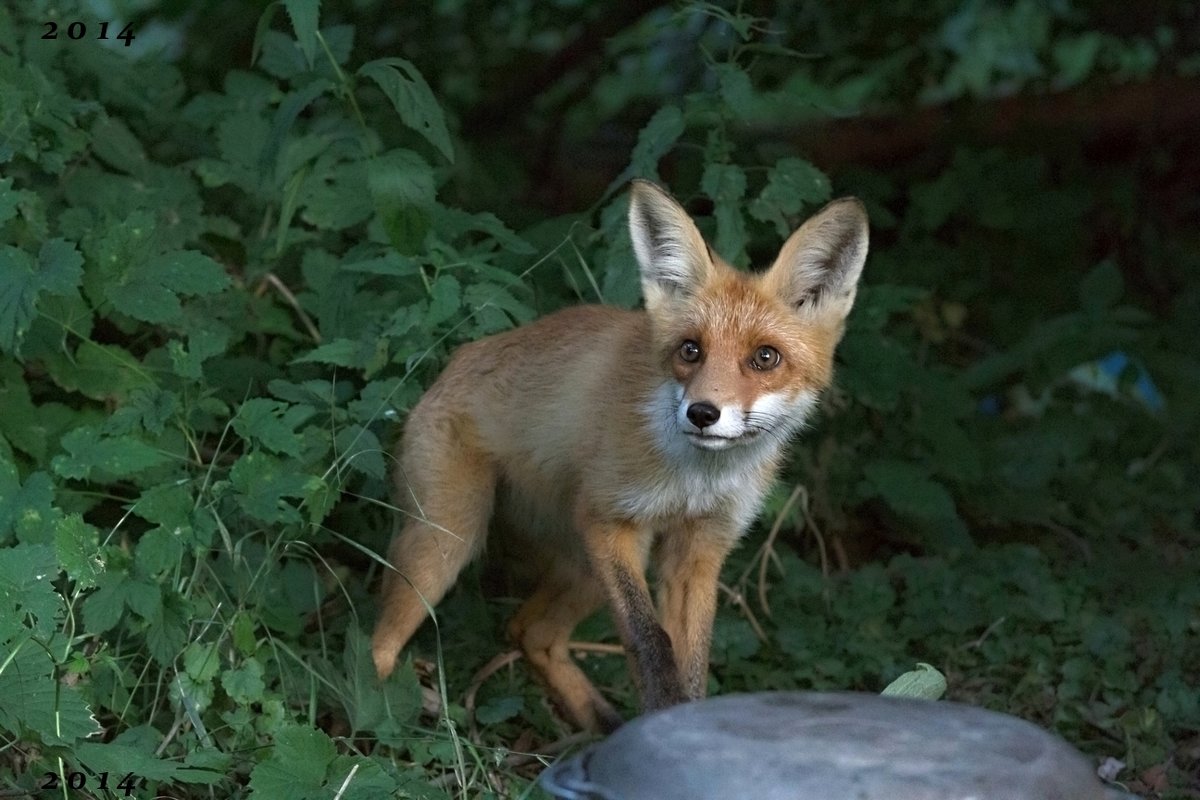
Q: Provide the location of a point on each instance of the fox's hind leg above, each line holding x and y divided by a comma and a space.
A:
446, 488
542, 628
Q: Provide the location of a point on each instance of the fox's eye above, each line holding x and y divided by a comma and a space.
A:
689, 351
765, 357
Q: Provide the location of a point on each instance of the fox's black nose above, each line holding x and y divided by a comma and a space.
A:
703, 414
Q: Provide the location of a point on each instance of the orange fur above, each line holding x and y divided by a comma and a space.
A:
595, 437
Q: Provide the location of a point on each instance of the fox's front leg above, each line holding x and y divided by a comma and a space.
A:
689, 567
618, 554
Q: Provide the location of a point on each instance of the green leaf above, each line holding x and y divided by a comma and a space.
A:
244, 684
201, 346
296, 767
147, 408
792, 184
453, 223
499, 709
27, 596
77, 546
35, 701
57, 270
121, 759
655, 140
339, 353
412, 98
262, 482
27, 510
272, 424
726, 185
304, 15
160, 550
924, 682
148, 290
201, 662
116, 145
737, 90
99, 371
359, 448
103, 608
89, 452
401, 178
390, 263
445, 300
10, 198
909, 490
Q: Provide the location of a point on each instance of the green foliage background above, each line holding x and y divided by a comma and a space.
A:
233, 253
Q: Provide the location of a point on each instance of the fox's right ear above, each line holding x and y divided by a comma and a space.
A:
670, 251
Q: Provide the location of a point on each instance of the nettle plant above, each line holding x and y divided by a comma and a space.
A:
213, 309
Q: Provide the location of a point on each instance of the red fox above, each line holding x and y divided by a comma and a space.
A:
596, 439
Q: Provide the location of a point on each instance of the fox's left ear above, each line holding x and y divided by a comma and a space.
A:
818, 267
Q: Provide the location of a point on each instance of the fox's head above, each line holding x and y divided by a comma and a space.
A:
747, 354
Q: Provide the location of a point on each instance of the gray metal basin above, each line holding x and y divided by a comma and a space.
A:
827, 746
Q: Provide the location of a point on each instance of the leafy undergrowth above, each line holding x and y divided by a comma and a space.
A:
217, 302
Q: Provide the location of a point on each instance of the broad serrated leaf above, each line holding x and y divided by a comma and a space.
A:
147, 408
201, 661
908, 488
369, 703
27, 510
167, 633
149, 290
445, 300
10, 198
359, 448
272, 424
201, 345
726, 185
480, 296
168, 504
304, 15
121, 760
296, 767
36, 702
390, 263
103, 608
89, 452
27, 596
499, 709
412, 98
116, 145
339, 353
77, 546
737, 90
262, 483
338, 199
244, 683
401, 178
655, 140
160, 549
58, 270
913, 494
99, 371
791, 184
454, 222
